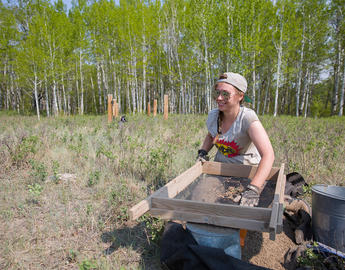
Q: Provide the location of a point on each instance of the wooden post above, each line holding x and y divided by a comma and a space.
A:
166, 103
114, 106
148, 109
155, 107
116, 109
110, 114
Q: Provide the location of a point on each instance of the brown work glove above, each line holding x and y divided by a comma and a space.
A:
250, 197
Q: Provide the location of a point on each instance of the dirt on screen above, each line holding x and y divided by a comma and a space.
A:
221, 189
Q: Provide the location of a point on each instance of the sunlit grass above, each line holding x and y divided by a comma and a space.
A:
49, 223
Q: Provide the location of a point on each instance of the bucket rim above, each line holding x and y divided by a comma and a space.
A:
333, 196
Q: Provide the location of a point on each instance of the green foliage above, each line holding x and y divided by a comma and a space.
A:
35, 189
55, 169
72, 256
154, 227
104, 151
314, 259
88, 265
43, 46
93, 178
119, 200
157, 163
24, 149
39, 170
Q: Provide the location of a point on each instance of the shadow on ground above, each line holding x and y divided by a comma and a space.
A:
135, 238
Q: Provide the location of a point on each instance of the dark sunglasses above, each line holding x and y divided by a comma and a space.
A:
225, 95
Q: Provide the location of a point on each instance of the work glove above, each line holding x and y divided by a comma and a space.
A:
250, 197
202, 155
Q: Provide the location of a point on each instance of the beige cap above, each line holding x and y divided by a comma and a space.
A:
234, 79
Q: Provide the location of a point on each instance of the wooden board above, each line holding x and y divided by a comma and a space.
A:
170, 190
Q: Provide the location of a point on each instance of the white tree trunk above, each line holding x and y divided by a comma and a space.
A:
341, 102
336, 79
46, 92
254, 80
304, 92
99, 86
300, 70
307, 96
280, 53
36, 95
81, 84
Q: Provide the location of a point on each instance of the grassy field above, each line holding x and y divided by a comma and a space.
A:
81, 222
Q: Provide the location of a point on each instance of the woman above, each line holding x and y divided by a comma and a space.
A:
238, 134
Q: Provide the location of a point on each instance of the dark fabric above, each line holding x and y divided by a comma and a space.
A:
175, 253
216, 259
179, 251
294, 184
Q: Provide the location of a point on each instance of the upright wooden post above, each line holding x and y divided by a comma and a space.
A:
155, 107
148, 109
110, 114
116, 109
114, 106
166, 103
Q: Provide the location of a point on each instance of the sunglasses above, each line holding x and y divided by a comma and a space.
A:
225, 95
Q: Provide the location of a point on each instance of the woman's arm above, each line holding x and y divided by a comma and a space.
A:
259, 137
208, 143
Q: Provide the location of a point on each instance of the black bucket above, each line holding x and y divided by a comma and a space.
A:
328, 215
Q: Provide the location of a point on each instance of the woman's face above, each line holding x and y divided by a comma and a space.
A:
226, 96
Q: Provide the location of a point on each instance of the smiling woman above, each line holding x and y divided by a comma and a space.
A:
238, 134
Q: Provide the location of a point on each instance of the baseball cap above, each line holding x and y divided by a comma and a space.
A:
234, 79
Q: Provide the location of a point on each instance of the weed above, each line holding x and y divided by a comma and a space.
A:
22, 151
72, 256
55, 169
6, 214
39, 170
35, 189
154, 227
103, 150
312, 258
93, 178
89, 209
87, 265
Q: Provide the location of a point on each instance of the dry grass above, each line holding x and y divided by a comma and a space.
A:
82, 223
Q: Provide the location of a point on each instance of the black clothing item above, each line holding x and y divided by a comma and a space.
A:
294, 184
180, 251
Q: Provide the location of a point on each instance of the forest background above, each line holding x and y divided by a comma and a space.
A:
59, 60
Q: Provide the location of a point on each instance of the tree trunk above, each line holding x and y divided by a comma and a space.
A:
304, 94
93, 95
254, 77
266, 93
105, 84
46, 92
336, 78
300, 66
280, 52
77, 85
341, 103
307, 95
99, 86
36, 96
81, 84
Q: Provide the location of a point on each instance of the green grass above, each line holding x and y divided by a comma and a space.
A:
82, 223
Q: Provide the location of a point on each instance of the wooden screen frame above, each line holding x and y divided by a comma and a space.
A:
162, 203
